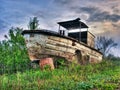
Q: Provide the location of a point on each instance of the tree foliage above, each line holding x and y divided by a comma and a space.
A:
13, 53
104, 45
33, 23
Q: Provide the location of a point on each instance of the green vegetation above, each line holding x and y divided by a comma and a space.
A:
13, 53
33, 23
16, 72
102, 76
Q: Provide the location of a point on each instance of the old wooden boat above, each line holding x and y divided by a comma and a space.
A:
77, 46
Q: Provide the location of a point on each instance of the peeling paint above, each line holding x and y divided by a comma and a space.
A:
44, 44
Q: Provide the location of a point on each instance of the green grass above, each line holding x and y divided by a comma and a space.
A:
102, 76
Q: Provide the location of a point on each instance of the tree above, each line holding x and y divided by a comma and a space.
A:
13, 53
33, 23
104, 45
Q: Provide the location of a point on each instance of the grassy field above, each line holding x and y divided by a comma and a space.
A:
102, 76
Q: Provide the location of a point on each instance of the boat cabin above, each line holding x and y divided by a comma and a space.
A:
78, 30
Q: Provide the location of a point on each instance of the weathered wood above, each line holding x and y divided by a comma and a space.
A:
43, 45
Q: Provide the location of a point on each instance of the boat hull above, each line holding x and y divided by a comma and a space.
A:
43, 44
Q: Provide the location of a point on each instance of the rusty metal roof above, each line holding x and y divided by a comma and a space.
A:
73, 24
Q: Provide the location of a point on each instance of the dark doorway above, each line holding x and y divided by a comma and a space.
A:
79, 56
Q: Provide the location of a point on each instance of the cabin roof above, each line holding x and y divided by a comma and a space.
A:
73, 24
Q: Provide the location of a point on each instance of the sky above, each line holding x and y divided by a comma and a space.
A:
102, 16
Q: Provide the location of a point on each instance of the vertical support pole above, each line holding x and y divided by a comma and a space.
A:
80, 32
59, 28
60, 32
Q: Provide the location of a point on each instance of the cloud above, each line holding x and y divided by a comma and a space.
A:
64, 2
97, 15
102, 16
99, 11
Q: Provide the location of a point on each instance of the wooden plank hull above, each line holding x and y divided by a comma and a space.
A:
43, 44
